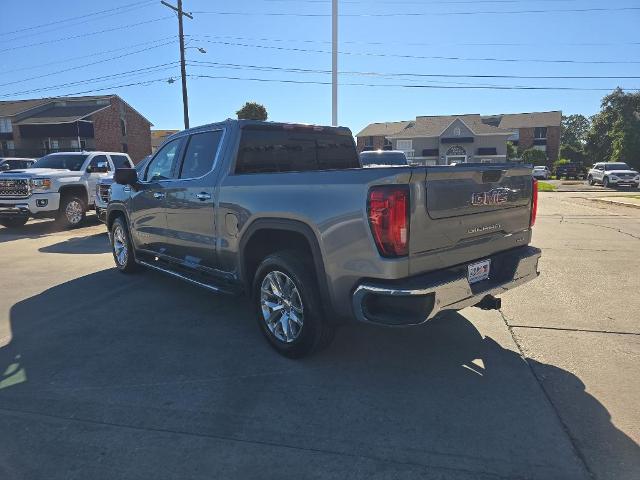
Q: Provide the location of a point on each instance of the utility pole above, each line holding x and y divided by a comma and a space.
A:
334, 63
183, 69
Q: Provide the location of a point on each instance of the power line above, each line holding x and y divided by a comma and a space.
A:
138, 71
418, 2
448, 87
421, 75
423, 14
92, 54
48, 24
86, 64
416, 44
428, 57
73, 37
79, 23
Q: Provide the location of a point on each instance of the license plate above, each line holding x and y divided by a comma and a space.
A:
478, 271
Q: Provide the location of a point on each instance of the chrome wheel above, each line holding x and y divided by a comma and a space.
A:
74, 211
281, 305
120, 245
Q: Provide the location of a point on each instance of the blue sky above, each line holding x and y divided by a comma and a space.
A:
372, 44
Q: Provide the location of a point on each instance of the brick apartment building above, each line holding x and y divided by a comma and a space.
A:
539, 130
158, 137
32, 128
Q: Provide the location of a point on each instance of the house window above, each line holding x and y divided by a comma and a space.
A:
83, 144
5, 125
405, 145
368, 141
540, 133
387, 144
123, 127
55, 144
542, 148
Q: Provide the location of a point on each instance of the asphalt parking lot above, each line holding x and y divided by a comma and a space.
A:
110, 376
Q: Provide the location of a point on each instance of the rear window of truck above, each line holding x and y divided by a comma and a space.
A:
271, 151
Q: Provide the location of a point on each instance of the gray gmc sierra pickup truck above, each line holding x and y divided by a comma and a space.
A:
285, 214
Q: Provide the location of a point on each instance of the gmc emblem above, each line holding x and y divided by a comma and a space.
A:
496, 196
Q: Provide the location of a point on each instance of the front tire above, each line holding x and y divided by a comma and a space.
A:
15, 222
73, 211
287, 301
122, 247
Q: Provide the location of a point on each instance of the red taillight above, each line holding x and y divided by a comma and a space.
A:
389, 219
534, 203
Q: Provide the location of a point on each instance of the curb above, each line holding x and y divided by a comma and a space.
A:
613, 202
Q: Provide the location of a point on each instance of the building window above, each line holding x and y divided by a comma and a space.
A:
542, 148
540, 133
125, 148
368, 141
5, 125
387, 144
123, 127
55, 145
405, 145
83, 144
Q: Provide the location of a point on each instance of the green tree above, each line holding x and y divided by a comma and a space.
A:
252, 111
572, 154
512, 151
574, 129
534, 157
615, 131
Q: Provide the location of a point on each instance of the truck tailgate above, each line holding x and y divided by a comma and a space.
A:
467, 212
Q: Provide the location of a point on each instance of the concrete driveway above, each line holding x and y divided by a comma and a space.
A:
109, 376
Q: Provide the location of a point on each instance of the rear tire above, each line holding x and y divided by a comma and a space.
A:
16, 222
122, 247
289, 313
72, 212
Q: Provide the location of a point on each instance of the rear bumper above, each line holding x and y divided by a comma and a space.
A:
415, 300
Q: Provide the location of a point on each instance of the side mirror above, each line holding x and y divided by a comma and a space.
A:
126, 176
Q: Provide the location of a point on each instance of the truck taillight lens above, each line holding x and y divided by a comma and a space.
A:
534, 203
389, 219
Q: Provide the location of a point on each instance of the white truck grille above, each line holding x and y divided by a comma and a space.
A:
103, 192
14, 187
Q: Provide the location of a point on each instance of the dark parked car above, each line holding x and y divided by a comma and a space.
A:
572, 171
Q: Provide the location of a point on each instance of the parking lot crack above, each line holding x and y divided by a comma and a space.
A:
564, 426
473, 472
584, 330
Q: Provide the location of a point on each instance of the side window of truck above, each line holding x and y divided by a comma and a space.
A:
200, 154
269, 151
162, 165
121, 161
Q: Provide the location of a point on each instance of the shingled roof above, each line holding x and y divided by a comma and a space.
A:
380, 129
530, 120
434, 126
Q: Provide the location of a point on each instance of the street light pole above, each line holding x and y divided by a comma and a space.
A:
334, 63
183, 68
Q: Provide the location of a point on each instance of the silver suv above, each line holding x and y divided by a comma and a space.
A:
613, 174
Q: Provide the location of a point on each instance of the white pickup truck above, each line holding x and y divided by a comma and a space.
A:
59, 185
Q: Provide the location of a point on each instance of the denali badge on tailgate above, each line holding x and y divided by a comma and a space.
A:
492, 197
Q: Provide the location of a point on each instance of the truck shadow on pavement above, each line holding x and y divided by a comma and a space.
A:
142, 374
90, 244
37, 229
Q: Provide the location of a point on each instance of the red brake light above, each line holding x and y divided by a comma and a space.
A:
389, 219
534, 203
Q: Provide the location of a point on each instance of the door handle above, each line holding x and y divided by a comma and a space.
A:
158, 195
202, 196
